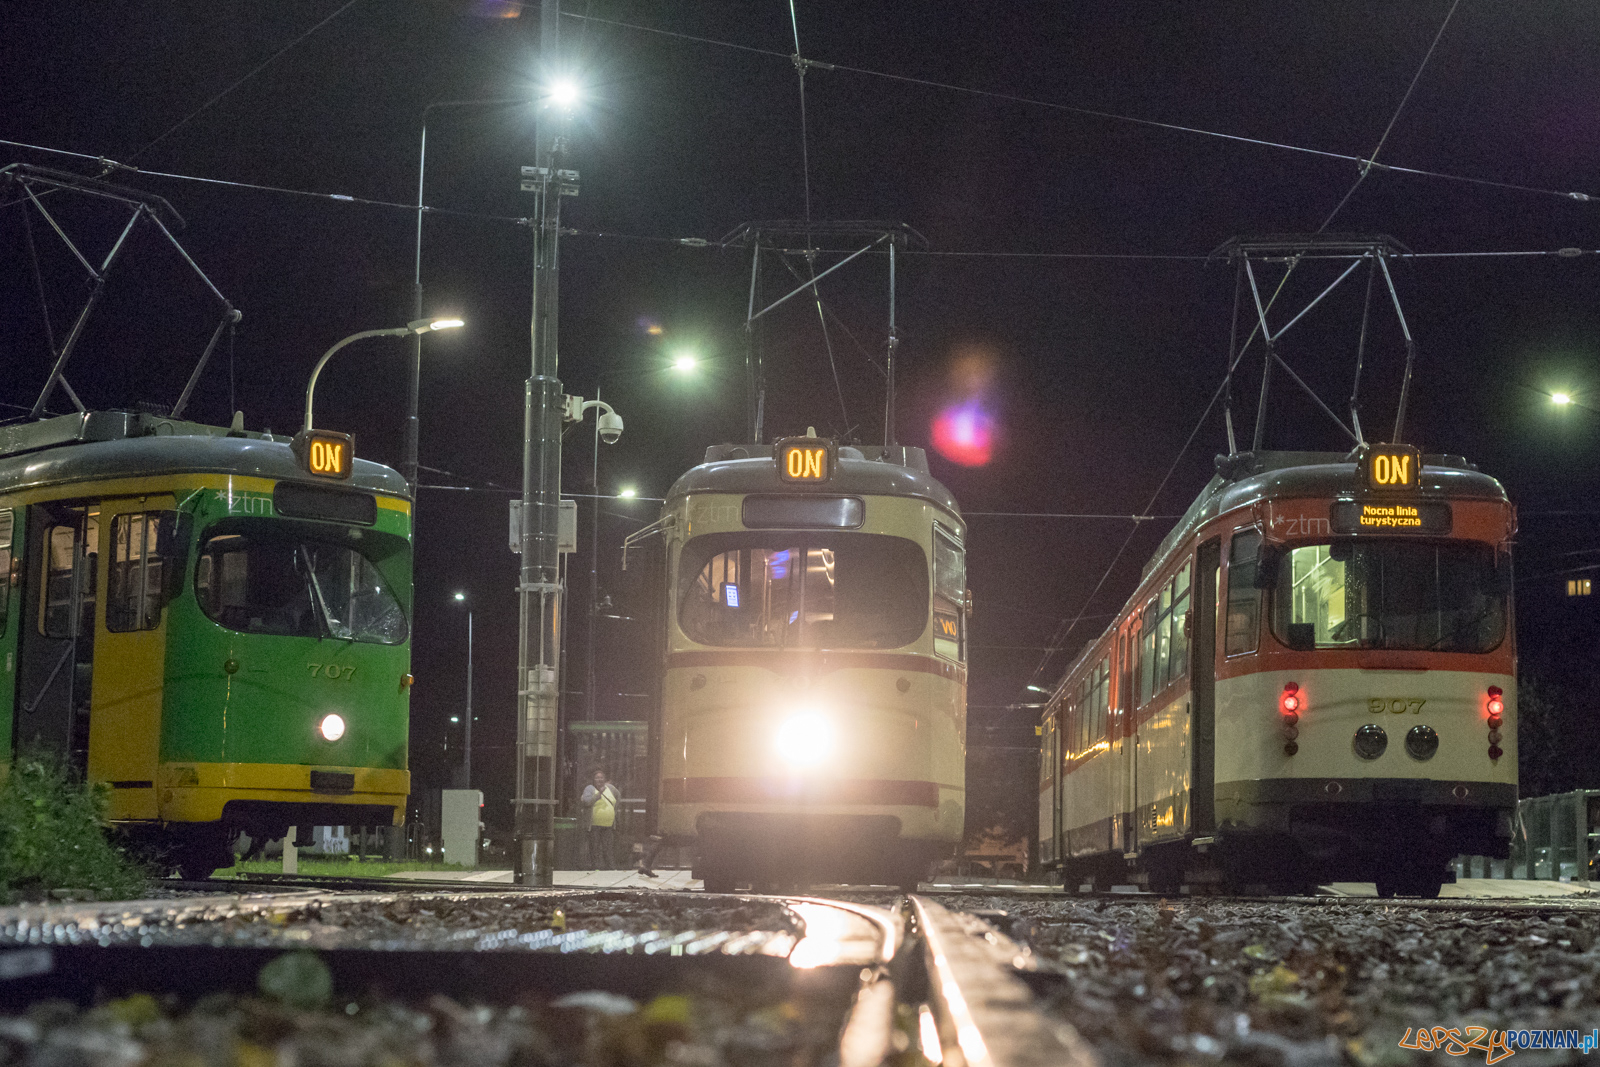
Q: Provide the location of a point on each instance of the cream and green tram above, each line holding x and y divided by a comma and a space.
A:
813, 718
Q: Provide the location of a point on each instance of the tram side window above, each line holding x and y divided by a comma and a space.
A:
1099, 702
71, 547
1178, 664
7, 533
1147, 652
1244, 596
141, 570
950, 588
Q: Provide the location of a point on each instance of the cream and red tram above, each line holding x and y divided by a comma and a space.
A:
1314, 682
813, 722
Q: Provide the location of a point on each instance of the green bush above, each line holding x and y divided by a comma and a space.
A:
53, 836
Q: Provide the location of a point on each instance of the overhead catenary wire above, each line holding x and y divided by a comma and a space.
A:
1107, 115
254, 71
110, 165
1366, 168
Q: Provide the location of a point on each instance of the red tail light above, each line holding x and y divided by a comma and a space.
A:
1496, 705
1291, 701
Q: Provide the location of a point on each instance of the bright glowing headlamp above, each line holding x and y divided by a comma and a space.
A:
331, 727
805, 740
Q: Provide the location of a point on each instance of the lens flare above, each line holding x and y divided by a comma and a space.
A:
964, 433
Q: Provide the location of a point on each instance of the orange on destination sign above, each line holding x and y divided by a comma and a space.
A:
1392, 467
806, 459
325, 454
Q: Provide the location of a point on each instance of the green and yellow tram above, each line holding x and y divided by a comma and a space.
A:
196, 620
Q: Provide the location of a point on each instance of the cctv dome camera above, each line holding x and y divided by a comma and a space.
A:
610, 427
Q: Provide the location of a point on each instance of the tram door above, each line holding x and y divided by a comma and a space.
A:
10, 610
1124, 751
1203, 683
140, 563
56, 631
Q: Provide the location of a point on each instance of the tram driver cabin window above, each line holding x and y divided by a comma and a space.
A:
1419, 596
808, 591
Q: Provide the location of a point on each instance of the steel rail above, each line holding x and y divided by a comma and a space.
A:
985, 1012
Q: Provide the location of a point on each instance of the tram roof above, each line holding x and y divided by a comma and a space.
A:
1251, 476
868, 470
97, 445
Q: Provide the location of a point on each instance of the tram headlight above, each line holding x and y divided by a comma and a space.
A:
331, 727
1422, 742
1370, 741
805, 740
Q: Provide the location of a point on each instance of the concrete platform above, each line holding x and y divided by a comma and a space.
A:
1476, 889
665, 879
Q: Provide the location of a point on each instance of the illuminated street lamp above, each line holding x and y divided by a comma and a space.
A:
466, 758
629, 493
685, 362
1560, 399
415, 326
564, 93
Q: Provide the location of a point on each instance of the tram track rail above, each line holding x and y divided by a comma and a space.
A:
880, 965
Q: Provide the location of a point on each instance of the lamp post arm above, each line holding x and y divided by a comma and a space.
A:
311, 386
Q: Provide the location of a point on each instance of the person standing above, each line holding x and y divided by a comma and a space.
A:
600, 798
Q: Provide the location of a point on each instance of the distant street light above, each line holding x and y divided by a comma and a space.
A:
415, 326
564, 92
628, 493
685, 362
1560, 399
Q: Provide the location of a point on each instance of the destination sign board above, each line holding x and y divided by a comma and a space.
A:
805, 459
1388, 516
325, 454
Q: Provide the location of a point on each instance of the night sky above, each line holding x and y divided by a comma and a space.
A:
1094, 370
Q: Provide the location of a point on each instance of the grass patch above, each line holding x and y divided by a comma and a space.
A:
53, 836
322, 867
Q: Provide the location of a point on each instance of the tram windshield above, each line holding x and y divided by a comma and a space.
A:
291, 586
1438, 596
786, 590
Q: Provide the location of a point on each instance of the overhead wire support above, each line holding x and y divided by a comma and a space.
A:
857, 238
30, 180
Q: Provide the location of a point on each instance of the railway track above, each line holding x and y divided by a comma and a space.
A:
881, 980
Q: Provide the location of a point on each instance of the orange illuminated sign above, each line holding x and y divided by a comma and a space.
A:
805, 459
325, 454
1392, 467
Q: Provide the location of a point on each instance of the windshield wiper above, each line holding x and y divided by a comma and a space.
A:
317, 599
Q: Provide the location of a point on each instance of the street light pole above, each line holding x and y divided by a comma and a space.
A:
539, 590
594, 568
466, 761
408, 465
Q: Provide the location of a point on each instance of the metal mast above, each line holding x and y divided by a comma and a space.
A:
539, 590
